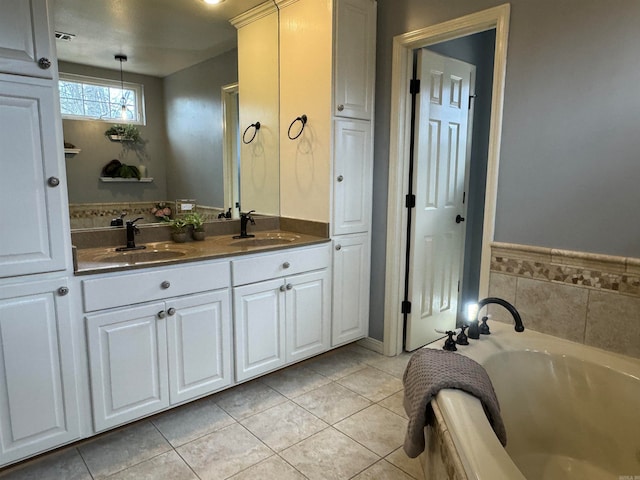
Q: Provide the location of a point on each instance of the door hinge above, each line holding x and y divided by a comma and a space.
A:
458, 286
410, 201
470, 98
406, 307
414, 86
464, 197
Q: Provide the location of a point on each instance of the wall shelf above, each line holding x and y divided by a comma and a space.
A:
126, 180
71, 152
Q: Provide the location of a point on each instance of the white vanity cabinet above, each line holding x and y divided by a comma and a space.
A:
147, 357
281, 308
38, 399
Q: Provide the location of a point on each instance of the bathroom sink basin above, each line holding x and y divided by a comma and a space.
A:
267, 240
140, 256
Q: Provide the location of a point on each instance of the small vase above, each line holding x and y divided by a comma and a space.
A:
198, 235
179, 237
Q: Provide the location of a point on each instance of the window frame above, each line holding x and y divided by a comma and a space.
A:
138, 89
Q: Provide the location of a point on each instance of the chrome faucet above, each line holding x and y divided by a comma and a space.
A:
474, 329
132, 231
245, 218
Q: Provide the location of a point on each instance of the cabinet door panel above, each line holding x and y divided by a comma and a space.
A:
29, 158
308, 315
127, 355
199, 336
259, 328
350, 289
353, 177
38, 406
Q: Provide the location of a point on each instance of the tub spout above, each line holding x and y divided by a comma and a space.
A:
473, 326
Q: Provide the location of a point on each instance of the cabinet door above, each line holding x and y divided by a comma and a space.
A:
354, 53
351, 280
353, 170
128, 364
38, 403
25, 38
32, 213
259, 311
308, 314
199, 335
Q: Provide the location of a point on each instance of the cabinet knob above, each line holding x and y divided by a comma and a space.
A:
286, 265
338, 247
171, 311
165, 284
282, 288
289, 286
340, 108
53, 181
340, 178
44, 63
162, 314
62, 291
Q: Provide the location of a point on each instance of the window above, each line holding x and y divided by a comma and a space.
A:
87, 98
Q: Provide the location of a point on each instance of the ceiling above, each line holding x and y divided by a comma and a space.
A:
159, 37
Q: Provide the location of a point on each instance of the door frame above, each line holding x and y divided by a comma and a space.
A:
403, 45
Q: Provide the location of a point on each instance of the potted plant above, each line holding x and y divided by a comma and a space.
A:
123, 133
178, 230
197, 221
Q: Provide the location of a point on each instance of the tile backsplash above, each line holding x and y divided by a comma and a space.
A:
587, 298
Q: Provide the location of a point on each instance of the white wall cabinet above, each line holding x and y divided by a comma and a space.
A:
284, 319
38, 398
25, 45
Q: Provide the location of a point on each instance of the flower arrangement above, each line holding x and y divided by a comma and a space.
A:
128, 133
161, 211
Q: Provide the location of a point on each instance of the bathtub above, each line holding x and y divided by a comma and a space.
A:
571, 411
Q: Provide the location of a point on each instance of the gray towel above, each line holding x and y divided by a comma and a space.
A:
429, 371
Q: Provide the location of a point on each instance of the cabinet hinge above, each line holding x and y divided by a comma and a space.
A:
406, 307
414, 86
464, 196
470, 98
458, 286
410, 201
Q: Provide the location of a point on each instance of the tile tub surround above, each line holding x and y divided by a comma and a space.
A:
587, 298
278, 426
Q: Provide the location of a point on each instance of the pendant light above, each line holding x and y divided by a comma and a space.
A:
122, 58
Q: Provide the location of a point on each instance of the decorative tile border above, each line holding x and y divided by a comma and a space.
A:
601, 272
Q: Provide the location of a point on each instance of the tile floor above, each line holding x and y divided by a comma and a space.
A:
336, 416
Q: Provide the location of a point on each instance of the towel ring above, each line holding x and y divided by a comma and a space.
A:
256, 126
303, 120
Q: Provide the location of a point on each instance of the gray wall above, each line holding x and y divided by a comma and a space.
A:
194, 129
570, 153
83, 170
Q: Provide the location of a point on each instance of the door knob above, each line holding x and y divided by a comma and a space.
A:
340, 108
162, 314
459, 218
171, 311
53, 181
340, 178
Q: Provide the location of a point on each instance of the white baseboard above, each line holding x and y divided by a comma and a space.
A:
372, 344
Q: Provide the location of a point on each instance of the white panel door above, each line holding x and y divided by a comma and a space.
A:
353, 172
33, 238
38, 403
25, 38
351, 260
308, 314
440, 157
128, 364
259, 319
199, 341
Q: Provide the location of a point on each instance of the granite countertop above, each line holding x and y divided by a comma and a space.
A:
106, 259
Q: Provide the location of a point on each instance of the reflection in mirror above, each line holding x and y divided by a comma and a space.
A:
185, 58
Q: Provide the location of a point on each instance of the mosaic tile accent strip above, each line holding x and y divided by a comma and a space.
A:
601, 272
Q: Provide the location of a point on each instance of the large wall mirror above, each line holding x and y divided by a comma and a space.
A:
185, 56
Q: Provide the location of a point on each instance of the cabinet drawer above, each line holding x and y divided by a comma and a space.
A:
274, 265
156, 284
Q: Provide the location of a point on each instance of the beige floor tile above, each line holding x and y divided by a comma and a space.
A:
65, 464
168, 466
194, 420
248, 399
272, 468
224, 453
363, 355
329, 455
412, 466
395, 403
123, 448
382, 470
392, 365
372, 383
295, 381
332, 402
378, 429
335, 364
283, 425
